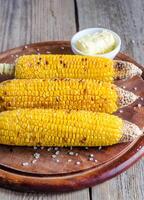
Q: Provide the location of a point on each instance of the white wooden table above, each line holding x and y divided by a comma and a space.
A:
27, 21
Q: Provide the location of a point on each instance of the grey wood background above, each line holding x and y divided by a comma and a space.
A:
26, 21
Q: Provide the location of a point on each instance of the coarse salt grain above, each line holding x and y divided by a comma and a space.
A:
16, 56
57, 161
95, 160
139, 105
48, 52
71, 153
41, 148
76, 154
135, 88
123, 87
69, 160
78, 163
62, 47
56, 148
100, 148
86, 148
141, 99
49, 149
57, 152
121, 111
91, 155
35, 148
34, 161
36, 155
26, 46
53, 156
25, 163
90, 159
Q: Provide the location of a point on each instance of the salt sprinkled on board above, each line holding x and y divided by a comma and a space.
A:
25, 164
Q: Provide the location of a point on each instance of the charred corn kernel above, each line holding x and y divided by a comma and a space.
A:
48, 127
73, 66
76, 94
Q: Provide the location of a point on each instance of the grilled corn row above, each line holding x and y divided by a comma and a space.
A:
76, 94
73, 66
48, 127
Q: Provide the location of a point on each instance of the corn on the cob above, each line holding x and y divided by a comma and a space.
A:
42, 127
74, 94
72, 66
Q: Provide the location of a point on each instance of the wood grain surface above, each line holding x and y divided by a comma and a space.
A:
25, 21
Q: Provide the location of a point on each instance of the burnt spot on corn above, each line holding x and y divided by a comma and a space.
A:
120, 66
84, 91
83, 140
80, 80
8, 104
64, 65
64, 140
85, 68
68, 111
67, 79
92, 98
57, 98
2, 99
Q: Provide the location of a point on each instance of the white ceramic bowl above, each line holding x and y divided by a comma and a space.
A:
80, 34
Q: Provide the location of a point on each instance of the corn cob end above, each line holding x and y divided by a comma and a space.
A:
125, 97
125, 70
130, 132
7, 69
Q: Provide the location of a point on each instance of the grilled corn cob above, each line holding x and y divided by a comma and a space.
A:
74, 94
72, 66
48, 127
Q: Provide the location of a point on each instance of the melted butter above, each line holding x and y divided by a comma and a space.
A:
96, 43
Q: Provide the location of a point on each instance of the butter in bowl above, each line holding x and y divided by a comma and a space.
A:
96, 42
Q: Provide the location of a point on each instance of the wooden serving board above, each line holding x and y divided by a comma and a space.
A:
20, 171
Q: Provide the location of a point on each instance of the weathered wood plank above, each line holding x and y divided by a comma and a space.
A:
128, 185
127, 19
26, 21
9, 195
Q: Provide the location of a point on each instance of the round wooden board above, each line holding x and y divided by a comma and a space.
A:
47, 174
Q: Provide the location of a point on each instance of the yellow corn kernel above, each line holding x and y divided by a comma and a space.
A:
73, 94
42, 127
63, 66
